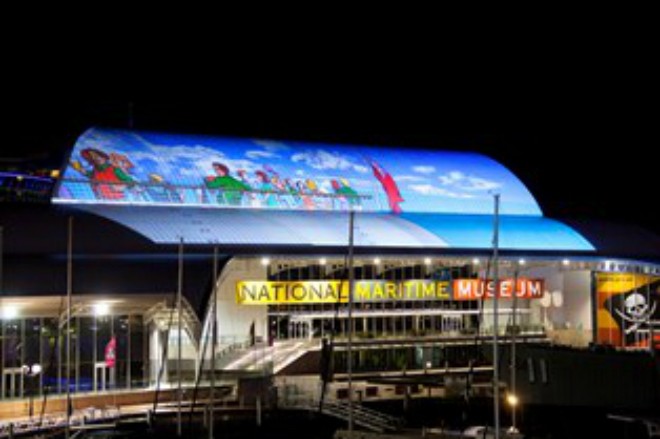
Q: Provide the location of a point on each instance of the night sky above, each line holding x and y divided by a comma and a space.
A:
581, 135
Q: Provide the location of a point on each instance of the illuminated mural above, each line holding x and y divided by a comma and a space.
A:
119, 167
261, 192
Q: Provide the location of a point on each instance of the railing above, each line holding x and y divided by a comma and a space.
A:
81, 189
299, 398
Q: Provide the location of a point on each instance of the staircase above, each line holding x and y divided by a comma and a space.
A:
262, 356
295, 398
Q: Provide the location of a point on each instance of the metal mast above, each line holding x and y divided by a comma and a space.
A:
214, 335
69, 285
496, 289
180, 320
351, 276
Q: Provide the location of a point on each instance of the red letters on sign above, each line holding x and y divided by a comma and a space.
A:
474, 289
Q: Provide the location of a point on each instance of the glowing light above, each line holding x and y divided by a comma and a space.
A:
557, 299
9, 312
512, 399
101, 309
376, 261
427, 261
476, 261
322, 261
265, 261
565, 262
522, 262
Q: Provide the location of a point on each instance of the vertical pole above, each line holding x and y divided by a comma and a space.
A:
41, 355
214, 335
69, 284
496, 369
351, 275
95, 354
514, 333
2, 259
178, 357
129, 353
648, 318
2, 360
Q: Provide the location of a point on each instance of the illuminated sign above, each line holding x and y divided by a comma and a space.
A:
381, 290
335, 291
471, 289
265, 293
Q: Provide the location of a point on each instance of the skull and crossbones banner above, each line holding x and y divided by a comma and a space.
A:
627, 309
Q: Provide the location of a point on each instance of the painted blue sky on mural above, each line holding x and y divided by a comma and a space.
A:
119, 167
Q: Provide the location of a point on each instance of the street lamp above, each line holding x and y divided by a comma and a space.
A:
513, 401
31, 371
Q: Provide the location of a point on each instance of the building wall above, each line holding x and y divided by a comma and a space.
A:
234, 320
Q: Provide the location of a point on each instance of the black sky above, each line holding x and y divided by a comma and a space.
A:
577, 126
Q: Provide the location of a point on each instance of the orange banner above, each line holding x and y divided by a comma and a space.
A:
471, 289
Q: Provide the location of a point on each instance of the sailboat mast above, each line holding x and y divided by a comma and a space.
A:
180, 333
214, 340
349, 354
69, 287
496, 367
514, 327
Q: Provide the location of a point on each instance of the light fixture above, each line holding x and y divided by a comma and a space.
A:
322, 261
512, 399
9, 312
476, 261
31, 370
522, 262
376, 261
565, 262
557, 298
265, 261
101, 309
427, 261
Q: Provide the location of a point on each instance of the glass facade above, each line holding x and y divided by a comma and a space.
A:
373, 318
34, 354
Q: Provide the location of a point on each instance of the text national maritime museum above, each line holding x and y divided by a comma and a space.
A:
262, 230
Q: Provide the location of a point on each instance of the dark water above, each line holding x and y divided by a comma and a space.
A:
543, 422
535, 422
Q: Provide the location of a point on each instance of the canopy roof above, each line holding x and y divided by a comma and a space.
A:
245, 227
210, 190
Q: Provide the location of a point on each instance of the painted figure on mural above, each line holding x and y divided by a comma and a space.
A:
230, 189
389, 186
159, 190
347, 196
109, 180
267, 188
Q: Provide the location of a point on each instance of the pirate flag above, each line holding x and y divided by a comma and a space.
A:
636, 313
